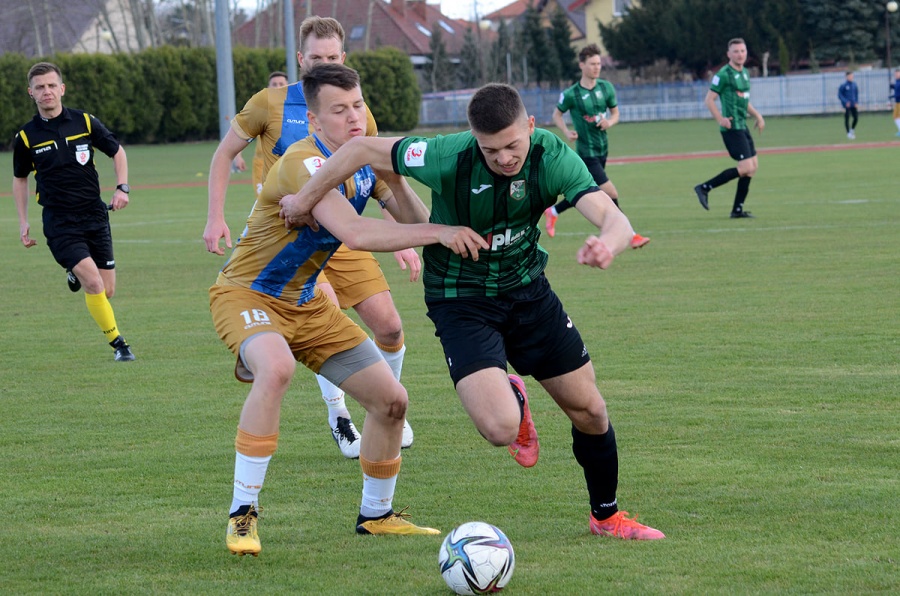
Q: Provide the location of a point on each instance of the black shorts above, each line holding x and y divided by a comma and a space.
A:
596, 166
739, 144
527, 328
73, 237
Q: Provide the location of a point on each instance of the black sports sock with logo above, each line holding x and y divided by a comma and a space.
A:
743, 187
599, 457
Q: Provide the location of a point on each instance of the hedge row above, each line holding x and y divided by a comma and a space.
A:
169, 95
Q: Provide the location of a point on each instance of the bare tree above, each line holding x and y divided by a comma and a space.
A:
39, 46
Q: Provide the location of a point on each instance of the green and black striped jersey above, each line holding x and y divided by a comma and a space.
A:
733, 87
504, 210
586, 106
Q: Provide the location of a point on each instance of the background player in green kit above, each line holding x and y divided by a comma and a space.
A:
732, 86
587, 101
498, 178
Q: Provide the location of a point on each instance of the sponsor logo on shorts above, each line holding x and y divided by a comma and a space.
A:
110, 263
415, 154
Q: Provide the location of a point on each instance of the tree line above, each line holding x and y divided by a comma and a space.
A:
781, 35
169, 94
524, 54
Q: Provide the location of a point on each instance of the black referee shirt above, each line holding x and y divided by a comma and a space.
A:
60, 152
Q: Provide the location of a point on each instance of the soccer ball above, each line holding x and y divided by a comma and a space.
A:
476, 558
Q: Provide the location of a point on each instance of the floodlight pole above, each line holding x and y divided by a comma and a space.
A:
224, 68
889, 8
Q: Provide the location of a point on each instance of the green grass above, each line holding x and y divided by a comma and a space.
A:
751, 370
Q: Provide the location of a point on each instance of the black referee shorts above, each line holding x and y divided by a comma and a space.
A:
75, 236
527, 328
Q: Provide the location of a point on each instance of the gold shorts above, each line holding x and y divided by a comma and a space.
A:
355, 275
315, 330
896, 110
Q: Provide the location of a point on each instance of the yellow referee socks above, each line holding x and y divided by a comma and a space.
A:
101, 310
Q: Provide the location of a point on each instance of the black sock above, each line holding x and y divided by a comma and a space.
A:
723, 177
562, 206
599, 457
743, 187
520, 399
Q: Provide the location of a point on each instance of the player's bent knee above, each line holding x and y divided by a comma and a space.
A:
277, 372
396, 404
499, 433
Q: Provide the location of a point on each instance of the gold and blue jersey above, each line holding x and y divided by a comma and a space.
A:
285, 263
278, 117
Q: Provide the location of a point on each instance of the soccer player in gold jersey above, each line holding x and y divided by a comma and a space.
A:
353, 278
267, 309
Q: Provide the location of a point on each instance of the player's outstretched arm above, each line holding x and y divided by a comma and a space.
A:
219, 174
365, 233
296, 209
403, 203
615, 230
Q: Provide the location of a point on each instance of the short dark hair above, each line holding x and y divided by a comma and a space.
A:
849, 72
42, 68
494, 107
277, 73
736, 40
589, 51
328, 73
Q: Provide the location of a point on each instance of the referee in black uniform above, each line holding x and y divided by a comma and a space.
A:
58, 146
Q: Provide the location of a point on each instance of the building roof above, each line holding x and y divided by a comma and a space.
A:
404, 24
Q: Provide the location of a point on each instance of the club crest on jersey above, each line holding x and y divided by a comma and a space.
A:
82, 154
314, 163
517, 189
415, 154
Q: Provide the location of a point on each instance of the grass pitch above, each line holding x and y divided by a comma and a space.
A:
750, 367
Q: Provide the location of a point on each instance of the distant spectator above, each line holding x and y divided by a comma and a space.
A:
896, 89
848, 93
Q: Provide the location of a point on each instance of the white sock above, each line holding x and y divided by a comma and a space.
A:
377, 495
554, 211
897, 122
334, 399
249, 474
394, 360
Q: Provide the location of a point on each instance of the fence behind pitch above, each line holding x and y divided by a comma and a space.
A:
796, 95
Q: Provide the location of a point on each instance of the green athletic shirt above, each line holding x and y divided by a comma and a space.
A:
733, 87
505, 211
585, 106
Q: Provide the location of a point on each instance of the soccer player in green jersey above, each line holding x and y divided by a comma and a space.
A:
498, 178
588, 101
731, 85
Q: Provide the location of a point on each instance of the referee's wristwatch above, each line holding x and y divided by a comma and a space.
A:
124, 188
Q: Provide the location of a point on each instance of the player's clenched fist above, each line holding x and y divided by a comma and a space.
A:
595, 253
